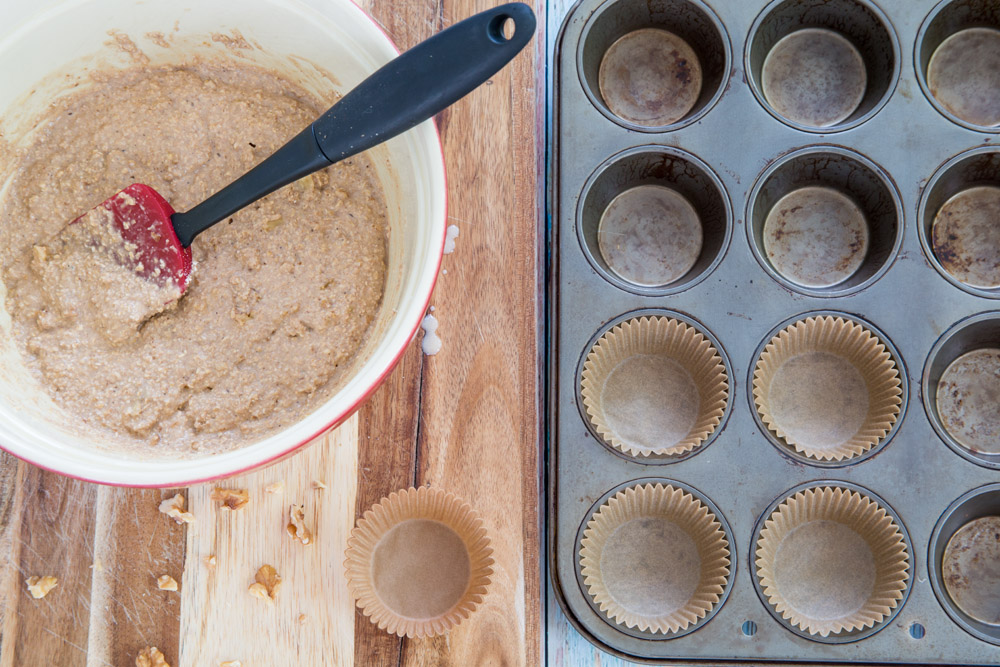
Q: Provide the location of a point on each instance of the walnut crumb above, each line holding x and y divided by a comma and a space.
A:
151, 657
267, 581
174, 508
302, 619
210, 561
231, 499
297, 525
277, 487
166, 583
231, 663
319, 485
39, 587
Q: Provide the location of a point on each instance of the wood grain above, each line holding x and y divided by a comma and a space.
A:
478, 429
106, 547
133, 545
55, 537
220, 621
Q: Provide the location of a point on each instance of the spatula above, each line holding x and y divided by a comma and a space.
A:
407, 91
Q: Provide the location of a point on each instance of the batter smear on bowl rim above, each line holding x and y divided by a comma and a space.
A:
284, 291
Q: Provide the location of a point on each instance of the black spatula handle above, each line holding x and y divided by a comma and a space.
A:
407, 91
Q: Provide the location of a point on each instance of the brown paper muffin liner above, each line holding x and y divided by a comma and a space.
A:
869, 524
708, 558
670, 341
399, 605
853, 343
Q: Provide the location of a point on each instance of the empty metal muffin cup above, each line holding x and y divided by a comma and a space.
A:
419, 562
968, 400
964, 562
957, 221
650, 77
654, 220
654, 67
815, 77
961, 385
832, 561
828, 388
822, 65
655, 558
650, 235
816, 236
957, 59
654, 386
825, 221
970, 569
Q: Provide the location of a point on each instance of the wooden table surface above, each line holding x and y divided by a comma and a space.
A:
465, 420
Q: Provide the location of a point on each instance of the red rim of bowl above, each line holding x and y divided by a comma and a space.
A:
339, 419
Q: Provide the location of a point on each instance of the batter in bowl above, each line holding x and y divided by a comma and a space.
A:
282, 294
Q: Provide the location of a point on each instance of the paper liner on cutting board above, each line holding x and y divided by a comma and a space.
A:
826, 578
669, 418
395, 597
846, 354
609, 546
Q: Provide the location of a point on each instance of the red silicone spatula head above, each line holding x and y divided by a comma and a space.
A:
142, 217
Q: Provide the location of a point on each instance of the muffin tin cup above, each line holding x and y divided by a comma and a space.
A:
848, 337
688, 368
718, 368
869, 518
672, 168
945, 20
973, 168
980, 502
848, 173
691, 20
683, 504
860, 22
977, 332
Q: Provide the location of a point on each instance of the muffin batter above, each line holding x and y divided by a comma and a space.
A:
282, 294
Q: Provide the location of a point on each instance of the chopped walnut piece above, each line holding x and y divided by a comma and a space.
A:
174, 508
231, 663
277, 487
319, 485
259, 591
151, 657
266, 584
231, 499
39, 587
297, 525
210, 561
166, 583
302, 619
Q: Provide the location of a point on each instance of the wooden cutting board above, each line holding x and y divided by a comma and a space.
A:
465, 420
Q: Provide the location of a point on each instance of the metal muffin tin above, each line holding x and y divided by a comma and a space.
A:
730, 151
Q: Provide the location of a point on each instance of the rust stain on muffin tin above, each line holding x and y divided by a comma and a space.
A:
968, 400
814, 76
966, 236
971, 569
650, 77
816, 236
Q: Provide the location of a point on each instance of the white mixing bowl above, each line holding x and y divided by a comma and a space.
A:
47, 47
